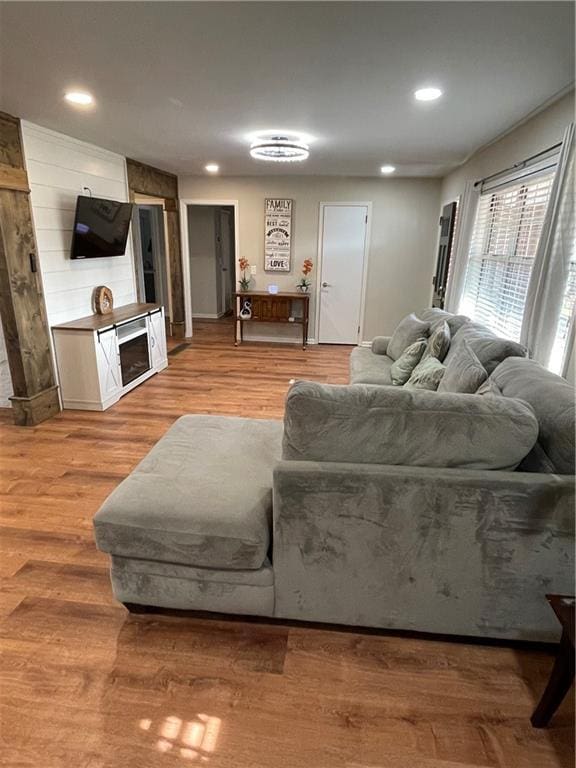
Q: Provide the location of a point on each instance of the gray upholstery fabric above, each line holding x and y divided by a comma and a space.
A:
409, 330
434, 550
393, 425
489, 348
436, 316
489, 387
427, 375
380, 344
202, 496
369, 368
438, 341
401, 369
552, 400
465, 373
166, 585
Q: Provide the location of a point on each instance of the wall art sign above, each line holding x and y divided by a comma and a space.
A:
277, 235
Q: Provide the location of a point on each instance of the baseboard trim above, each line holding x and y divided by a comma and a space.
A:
207, 316
365, 344
278, 339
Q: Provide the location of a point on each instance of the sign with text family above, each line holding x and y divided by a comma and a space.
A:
277, 235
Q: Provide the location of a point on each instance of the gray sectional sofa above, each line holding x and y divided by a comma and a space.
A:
369, 505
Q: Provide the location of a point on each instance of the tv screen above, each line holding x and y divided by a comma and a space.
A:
100, 228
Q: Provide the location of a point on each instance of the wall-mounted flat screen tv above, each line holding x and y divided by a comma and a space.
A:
100, 228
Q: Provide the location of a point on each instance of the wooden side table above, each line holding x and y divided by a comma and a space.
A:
271, 308
562, 673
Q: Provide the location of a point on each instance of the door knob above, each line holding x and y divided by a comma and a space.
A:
325, 285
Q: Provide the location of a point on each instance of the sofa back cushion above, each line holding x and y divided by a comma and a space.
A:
490, 349
552, 400
364, 424
408, 330
436, 316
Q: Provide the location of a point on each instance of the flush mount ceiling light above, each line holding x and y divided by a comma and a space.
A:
388, 169
279, 148
212, 168
80, 98
427, 94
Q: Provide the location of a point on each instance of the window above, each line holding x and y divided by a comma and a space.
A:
502, 249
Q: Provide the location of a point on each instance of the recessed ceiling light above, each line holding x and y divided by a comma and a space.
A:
279, 148
212, 168
427, 94
388, 169
79, 97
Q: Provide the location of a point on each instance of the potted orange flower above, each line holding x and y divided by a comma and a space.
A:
244, 281
304, 285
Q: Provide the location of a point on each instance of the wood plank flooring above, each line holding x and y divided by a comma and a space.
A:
86, 685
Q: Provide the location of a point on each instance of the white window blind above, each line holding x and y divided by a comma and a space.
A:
502, 249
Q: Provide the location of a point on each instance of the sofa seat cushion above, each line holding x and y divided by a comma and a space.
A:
364, 424
202, 496
369, 368
490, 349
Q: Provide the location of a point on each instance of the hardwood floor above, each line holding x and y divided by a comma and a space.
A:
86, 685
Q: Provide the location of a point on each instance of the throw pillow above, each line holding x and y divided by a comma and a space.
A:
401, 369
464, 373
408, 331
439, 342
427, 375
489, 387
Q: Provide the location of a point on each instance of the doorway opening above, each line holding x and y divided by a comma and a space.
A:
152, 266
210, 253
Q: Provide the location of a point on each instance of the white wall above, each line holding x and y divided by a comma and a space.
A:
6, 390
402, 247
203, 263
539, 132
58, 168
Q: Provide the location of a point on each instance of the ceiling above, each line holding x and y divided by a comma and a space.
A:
182, 84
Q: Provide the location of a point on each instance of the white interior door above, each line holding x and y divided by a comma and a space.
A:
343, 247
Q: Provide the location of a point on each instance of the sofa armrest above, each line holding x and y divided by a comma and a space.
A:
380, 344
460, 551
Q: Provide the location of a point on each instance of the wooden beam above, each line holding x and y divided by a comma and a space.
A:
147, 180
22, 306
13, 178
11, 152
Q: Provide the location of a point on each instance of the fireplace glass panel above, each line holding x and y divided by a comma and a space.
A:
134, 358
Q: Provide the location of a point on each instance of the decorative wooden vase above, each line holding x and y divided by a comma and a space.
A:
103, 300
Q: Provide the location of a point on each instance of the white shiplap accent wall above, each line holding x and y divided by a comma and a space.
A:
58, 169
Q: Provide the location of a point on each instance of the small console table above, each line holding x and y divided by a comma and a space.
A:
271, 308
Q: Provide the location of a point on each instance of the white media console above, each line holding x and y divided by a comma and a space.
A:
102, 357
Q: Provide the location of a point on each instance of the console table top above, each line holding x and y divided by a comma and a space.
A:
119, 315
281, 294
